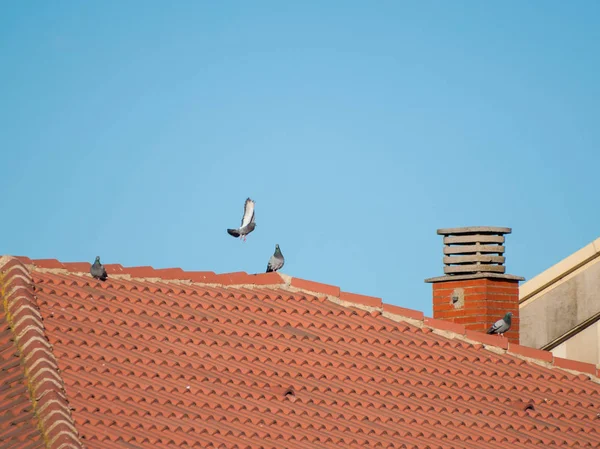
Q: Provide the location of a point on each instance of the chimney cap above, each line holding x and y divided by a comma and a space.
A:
474, 230
474, 252
466, 277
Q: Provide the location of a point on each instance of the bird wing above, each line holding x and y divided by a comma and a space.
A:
275, 263
234, 232
498, 324
248, 213
504, 326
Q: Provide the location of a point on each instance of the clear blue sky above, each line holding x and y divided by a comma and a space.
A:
135, 131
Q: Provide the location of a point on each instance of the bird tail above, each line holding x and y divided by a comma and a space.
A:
102, 277
233, 232
490, 330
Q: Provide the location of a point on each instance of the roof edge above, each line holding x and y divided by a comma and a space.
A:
45, 385
335, 294
572, 332
165, 274
559, 271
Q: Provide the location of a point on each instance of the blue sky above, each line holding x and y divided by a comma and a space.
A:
135, 131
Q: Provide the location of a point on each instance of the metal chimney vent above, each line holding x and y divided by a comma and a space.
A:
474, 250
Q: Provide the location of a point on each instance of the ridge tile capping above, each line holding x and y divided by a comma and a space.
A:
272, 278
141, 272
113, 268
203, 277
490, 340
206, 277
446, 325
409, 313
40, 368
371, 301
236, 277
317, 287
532, 353
47, 263
575, 365
169, 273
83, 267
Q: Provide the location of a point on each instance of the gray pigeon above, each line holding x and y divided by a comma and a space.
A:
97, 270
248, 223
276, 261
501, 326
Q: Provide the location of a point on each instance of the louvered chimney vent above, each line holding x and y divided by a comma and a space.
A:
478, 249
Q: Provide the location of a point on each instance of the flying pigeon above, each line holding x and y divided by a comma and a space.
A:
97, 270
501, 326
276, 261
248, 223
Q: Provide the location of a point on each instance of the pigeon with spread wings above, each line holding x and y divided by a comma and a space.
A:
248, 223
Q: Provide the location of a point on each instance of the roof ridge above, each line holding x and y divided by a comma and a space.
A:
165, 274
457, 331
447, 329
45, 385
335, 294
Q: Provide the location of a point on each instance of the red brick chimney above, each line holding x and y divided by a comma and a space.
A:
475, 291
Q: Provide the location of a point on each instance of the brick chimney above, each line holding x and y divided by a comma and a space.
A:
475, 291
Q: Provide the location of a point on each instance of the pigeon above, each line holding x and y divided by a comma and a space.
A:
501, 326
276, 261
97, 270
248, 223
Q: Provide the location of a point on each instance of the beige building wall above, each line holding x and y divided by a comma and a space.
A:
584, 347
560, 308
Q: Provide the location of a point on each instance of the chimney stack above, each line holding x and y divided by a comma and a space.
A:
475, 291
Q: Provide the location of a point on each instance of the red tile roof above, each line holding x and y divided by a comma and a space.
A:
18, 422
167, 358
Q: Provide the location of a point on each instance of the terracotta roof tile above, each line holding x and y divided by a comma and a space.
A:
370, 301
196, 359
37, 367
316, 287
18, 422
401, 311
530, 352
575, 365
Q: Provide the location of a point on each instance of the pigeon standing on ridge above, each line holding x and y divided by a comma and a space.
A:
98, 271
276, 261
248, 223
501, 326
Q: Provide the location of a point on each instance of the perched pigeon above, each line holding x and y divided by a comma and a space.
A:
248, 223
276, 261
501, 326
97, 270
